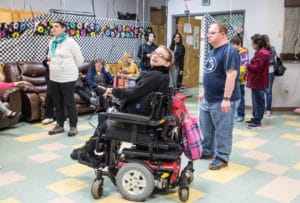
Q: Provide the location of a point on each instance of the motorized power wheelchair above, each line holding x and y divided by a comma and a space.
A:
153, 160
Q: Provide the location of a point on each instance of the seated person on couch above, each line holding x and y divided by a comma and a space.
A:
5, 112
136, 99
86, 93
98, 78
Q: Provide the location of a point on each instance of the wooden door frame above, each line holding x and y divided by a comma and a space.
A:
173, 29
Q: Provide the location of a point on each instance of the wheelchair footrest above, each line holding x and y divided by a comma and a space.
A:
156, 155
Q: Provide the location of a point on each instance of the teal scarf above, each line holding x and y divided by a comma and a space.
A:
56, 40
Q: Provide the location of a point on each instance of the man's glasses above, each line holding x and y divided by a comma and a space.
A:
212, 33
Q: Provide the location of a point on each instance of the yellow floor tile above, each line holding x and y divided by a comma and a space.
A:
290, 116
74, 170
292, 124
226, 174
33, 137
244, 144
10, 200
84, 127
193, 195
245, 133
296, 166
85, 137
116, 197
291, 136
67, 186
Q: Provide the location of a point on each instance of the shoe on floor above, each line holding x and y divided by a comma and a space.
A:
47, 121
250, 121
207, 156
57, 129
268, 113
73, 131
253, 125
81, 151
240, 119
217, 164
94, 100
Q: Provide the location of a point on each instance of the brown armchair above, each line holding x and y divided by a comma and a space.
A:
11, 98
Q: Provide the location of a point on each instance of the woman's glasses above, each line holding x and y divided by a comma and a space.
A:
160, 55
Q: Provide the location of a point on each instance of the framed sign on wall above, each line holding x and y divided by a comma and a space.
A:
205, 2
292, 3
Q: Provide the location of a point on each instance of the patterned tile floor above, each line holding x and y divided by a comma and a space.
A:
264, 166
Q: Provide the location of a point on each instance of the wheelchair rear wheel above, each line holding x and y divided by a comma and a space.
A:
135, 182
97, 188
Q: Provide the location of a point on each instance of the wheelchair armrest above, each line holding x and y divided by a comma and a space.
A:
128, 117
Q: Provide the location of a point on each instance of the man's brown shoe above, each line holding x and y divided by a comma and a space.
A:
57, 129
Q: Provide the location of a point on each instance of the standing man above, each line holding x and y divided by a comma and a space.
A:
219, 97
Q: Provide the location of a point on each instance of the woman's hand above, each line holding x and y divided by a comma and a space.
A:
22, 83
107, 93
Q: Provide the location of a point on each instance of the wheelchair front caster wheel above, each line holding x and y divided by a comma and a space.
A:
135, 182
191, 177
183, 194
97, 188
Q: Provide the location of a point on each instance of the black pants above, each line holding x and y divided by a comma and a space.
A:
49, 103
63, 94
103, 102
84, 93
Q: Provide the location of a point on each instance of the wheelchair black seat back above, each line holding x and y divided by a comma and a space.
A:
153, 159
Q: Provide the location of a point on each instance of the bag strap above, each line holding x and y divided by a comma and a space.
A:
186, 111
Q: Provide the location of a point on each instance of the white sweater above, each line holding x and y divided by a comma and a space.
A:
65, 61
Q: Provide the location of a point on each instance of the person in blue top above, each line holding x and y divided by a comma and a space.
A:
98, 78
219, 98
271, 76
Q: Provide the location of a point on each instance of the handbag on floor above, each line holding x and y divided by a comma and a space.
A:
191, 137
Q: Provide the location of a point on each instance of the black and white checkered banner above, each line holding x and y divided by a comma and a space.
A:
232, 23
32, 47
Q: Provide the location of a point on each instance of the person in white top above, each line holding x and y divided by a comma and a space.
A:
65, 57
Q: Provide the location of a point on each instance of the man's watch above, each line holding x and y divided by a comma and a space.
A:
226, 98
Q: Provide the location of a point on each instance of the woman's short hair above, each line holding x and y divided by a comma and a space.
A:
99, 61
61, 22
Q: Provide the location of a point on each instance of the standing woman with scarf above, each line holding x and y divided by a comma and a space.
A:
65, 57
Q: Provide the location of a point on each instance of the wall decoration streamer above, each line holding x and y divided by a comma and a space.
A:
81, 29
12, 30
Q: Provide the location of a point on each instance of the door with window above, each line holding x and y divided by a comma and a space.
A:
190, 28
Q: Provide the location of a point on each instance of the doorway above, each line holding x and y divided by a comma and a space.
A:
190, 28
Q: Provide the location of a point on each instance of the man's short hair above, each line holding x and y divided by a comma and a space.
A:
222, 27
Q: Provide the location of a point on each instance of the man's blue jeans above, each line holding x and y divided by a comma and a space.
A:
216, 128
269, 92
258, 105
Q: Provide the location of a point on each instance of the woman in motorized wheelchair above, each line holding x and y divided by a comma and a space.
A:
145, 121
